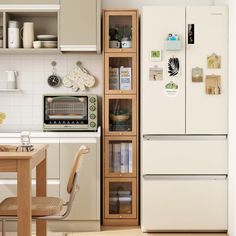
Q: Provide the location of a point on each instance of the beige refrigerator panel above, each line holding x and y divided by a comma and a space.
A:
207, 101
185, 155
162, 109
184, 203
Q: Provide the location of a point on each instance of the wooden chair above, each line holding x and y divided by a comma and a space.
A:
47, 208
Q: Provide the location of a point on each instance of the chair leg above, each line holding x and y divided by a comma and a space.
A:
3, 227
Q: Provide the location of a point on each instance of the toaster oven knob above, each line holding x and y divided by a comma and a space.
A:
92, 124
92, 100
92, 116
92, 108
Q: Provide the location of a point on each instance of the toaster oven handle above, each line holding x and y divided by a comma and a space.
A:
69, 97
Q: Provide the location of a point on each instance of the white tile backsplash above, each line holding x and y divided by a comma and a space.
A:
25, 108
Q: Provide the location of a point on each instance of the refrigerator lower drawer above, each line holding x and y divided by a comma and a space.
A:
186, 155
184, 204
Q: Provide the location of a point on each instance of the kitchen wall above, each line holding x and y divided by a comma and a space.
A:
24, 109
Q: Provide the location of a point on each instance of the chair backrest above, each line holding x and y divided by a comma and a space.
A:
76, 166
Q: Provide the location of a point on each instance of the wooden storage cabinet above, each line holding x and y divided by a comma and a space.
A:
120, 28
120, 198
120, 73
120, 157
120, 119
80, 25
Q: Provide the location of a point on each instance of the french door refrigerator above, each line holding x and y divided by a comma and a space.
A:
184, 118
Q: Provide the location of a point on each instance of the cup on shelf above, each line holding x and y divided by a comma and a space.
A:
11, 79
126, 43
13, 34
114, 44
37, 44
28, 34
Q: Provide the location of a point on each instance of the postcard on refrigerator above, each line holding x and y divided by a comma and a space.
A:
171, 89
155, 73
197, 74
214, 61
213, 84
173, 67
155, 55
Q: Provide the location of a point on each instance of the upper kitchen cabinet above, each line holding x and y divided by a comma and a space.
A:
29, 1
80, 25
120, 27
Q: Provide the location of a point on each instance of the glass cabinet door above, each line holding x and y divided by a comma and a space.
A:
121, 116
120, 31
120, 157
120, 73
120, 198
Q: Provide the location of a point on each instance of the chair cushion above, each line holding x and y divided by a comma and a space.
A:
41, 206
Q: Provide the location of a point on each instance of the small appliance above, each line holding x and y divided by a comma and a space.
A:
70, 112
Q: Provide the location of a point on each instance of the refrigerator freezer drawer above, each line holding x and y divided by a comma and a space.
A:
186, 156
184, 204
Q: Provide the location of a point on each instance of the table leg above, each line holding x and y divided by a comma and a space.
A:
41, 190
24, 198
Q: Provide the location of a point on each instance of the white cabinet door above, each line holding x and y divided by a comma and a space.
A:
185, 155
188, 204
87, 201
207, 114
80, 25
161, 111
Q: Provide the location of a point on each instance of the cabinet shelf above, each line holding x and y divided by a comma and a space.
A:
10, 90
30, 51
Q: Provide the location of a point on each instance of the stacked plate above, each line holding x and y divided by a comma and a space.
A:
47, 41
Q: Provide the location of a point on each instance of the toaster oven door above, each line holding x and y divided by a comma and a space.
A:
64, 111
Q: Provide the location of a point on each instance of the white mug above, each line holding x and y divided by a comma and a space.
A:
11, 79
114, 44
28, 34
126, 44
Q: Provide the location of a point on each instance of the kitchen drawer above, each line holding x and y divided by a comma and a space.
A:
52, 156
185, 155
180, 203
8, 188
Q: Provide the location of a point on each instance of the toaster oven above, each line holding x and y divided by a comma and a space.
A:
70, 112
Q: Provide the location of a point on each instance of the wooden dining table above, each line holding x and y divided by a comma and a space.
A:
22, 163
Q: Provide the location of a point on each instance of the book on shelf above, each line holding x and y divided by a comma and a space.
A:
125, 78
116, 157
111, 158
114, 78
124, 157
130, 158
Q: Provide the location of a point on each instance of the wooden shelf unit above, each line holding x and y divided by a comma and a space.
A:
120, 118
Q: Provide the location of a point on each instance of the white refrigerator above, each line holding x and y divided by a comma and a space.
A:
184, 118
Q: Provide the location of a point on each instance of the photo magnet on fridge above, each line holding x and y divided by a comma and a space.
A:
155, 73
155, 55
197, 74
214, 61
213, 84
171, 89
173, 67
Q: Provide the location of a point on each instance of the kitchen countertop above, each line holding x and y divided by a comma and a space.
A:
42, 134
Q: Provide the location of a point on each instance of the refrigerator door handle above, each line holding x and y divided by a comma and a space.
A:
183, 137
184, 177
